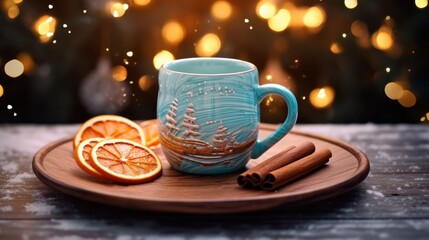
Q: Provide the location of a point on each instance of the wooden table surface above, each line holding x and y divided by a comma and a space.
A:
392, 203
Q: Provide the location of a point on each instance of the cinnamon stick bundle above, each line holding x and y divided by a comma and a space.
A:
254, 176
295, 170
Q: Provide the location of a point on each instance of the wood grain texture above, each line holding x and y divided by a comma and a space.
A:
179, 192
392, 202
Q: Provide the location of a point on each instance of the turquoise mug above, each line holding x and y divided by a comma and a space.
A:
208, 114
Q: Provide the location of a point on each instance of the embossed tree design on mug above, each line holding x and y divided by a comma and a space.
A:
208, 114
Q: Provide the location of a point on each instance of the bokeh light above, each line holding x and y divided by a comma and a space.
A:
314, 17
45, 27
280, 21
266, 9
336, 48
1, 90
322, 97
161, 58
421, 3
173, 32
393, 90
27, 62
221, 10
118, 9
141, 2
119, 73
208, 45
350, 4
14, 68
408, 99
383, 38
145, 82
12, 10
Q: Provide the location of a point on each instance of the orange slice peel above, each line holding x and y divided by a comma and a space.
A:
125, 161
82, 155
109, 127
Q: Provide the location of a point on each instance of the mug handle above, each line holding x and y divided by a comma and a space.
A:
263, 145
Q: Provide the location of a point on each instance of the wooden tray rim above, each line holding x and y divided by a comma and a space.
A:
357, 177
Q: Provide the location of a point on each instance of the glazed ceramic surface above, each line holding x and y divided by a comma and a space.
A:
208, 113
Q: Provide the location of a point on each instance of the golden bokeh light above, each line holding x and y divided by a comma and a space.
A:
280, 21
161, 58
208, 45
1, 90
383, 38
17, 1
118, 9
266, 9
408, 99
322, 97
359, 29
336, 48
350, 4
173, 32
221, 10
119, 73
27, 62
145, 82
45, 27
14, 68
314, 17
393, 90
141, 2
421, 3
13, 11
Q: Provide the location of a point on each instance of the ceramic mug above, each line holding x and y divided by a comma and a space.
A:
208, 113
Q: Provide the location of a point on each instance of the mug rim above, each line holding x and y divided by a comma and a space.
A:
251, 66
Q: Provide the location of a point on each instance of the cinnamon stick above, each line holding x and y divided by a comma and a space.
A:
245, 179
296, 169
254, 176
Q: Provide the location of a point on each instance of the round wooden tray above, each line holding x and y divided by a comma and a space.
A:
174, 191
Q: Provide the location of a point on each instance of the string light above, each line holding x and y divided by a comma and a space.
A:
14, 68
221, 10
162, 57
266, 9
322, 97
173, 32
280, 21
208, 45
130, 53
119, 73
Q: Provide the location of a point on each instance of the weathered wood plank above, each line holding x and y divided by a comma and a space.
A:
217, 228
391, 203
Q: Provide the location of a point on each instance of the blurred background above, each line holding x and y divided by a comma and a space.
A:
348, 61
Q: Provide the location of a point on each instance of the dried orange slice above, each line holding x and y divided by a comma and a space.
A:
82, 155
150, 129
109, 126
125, 161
